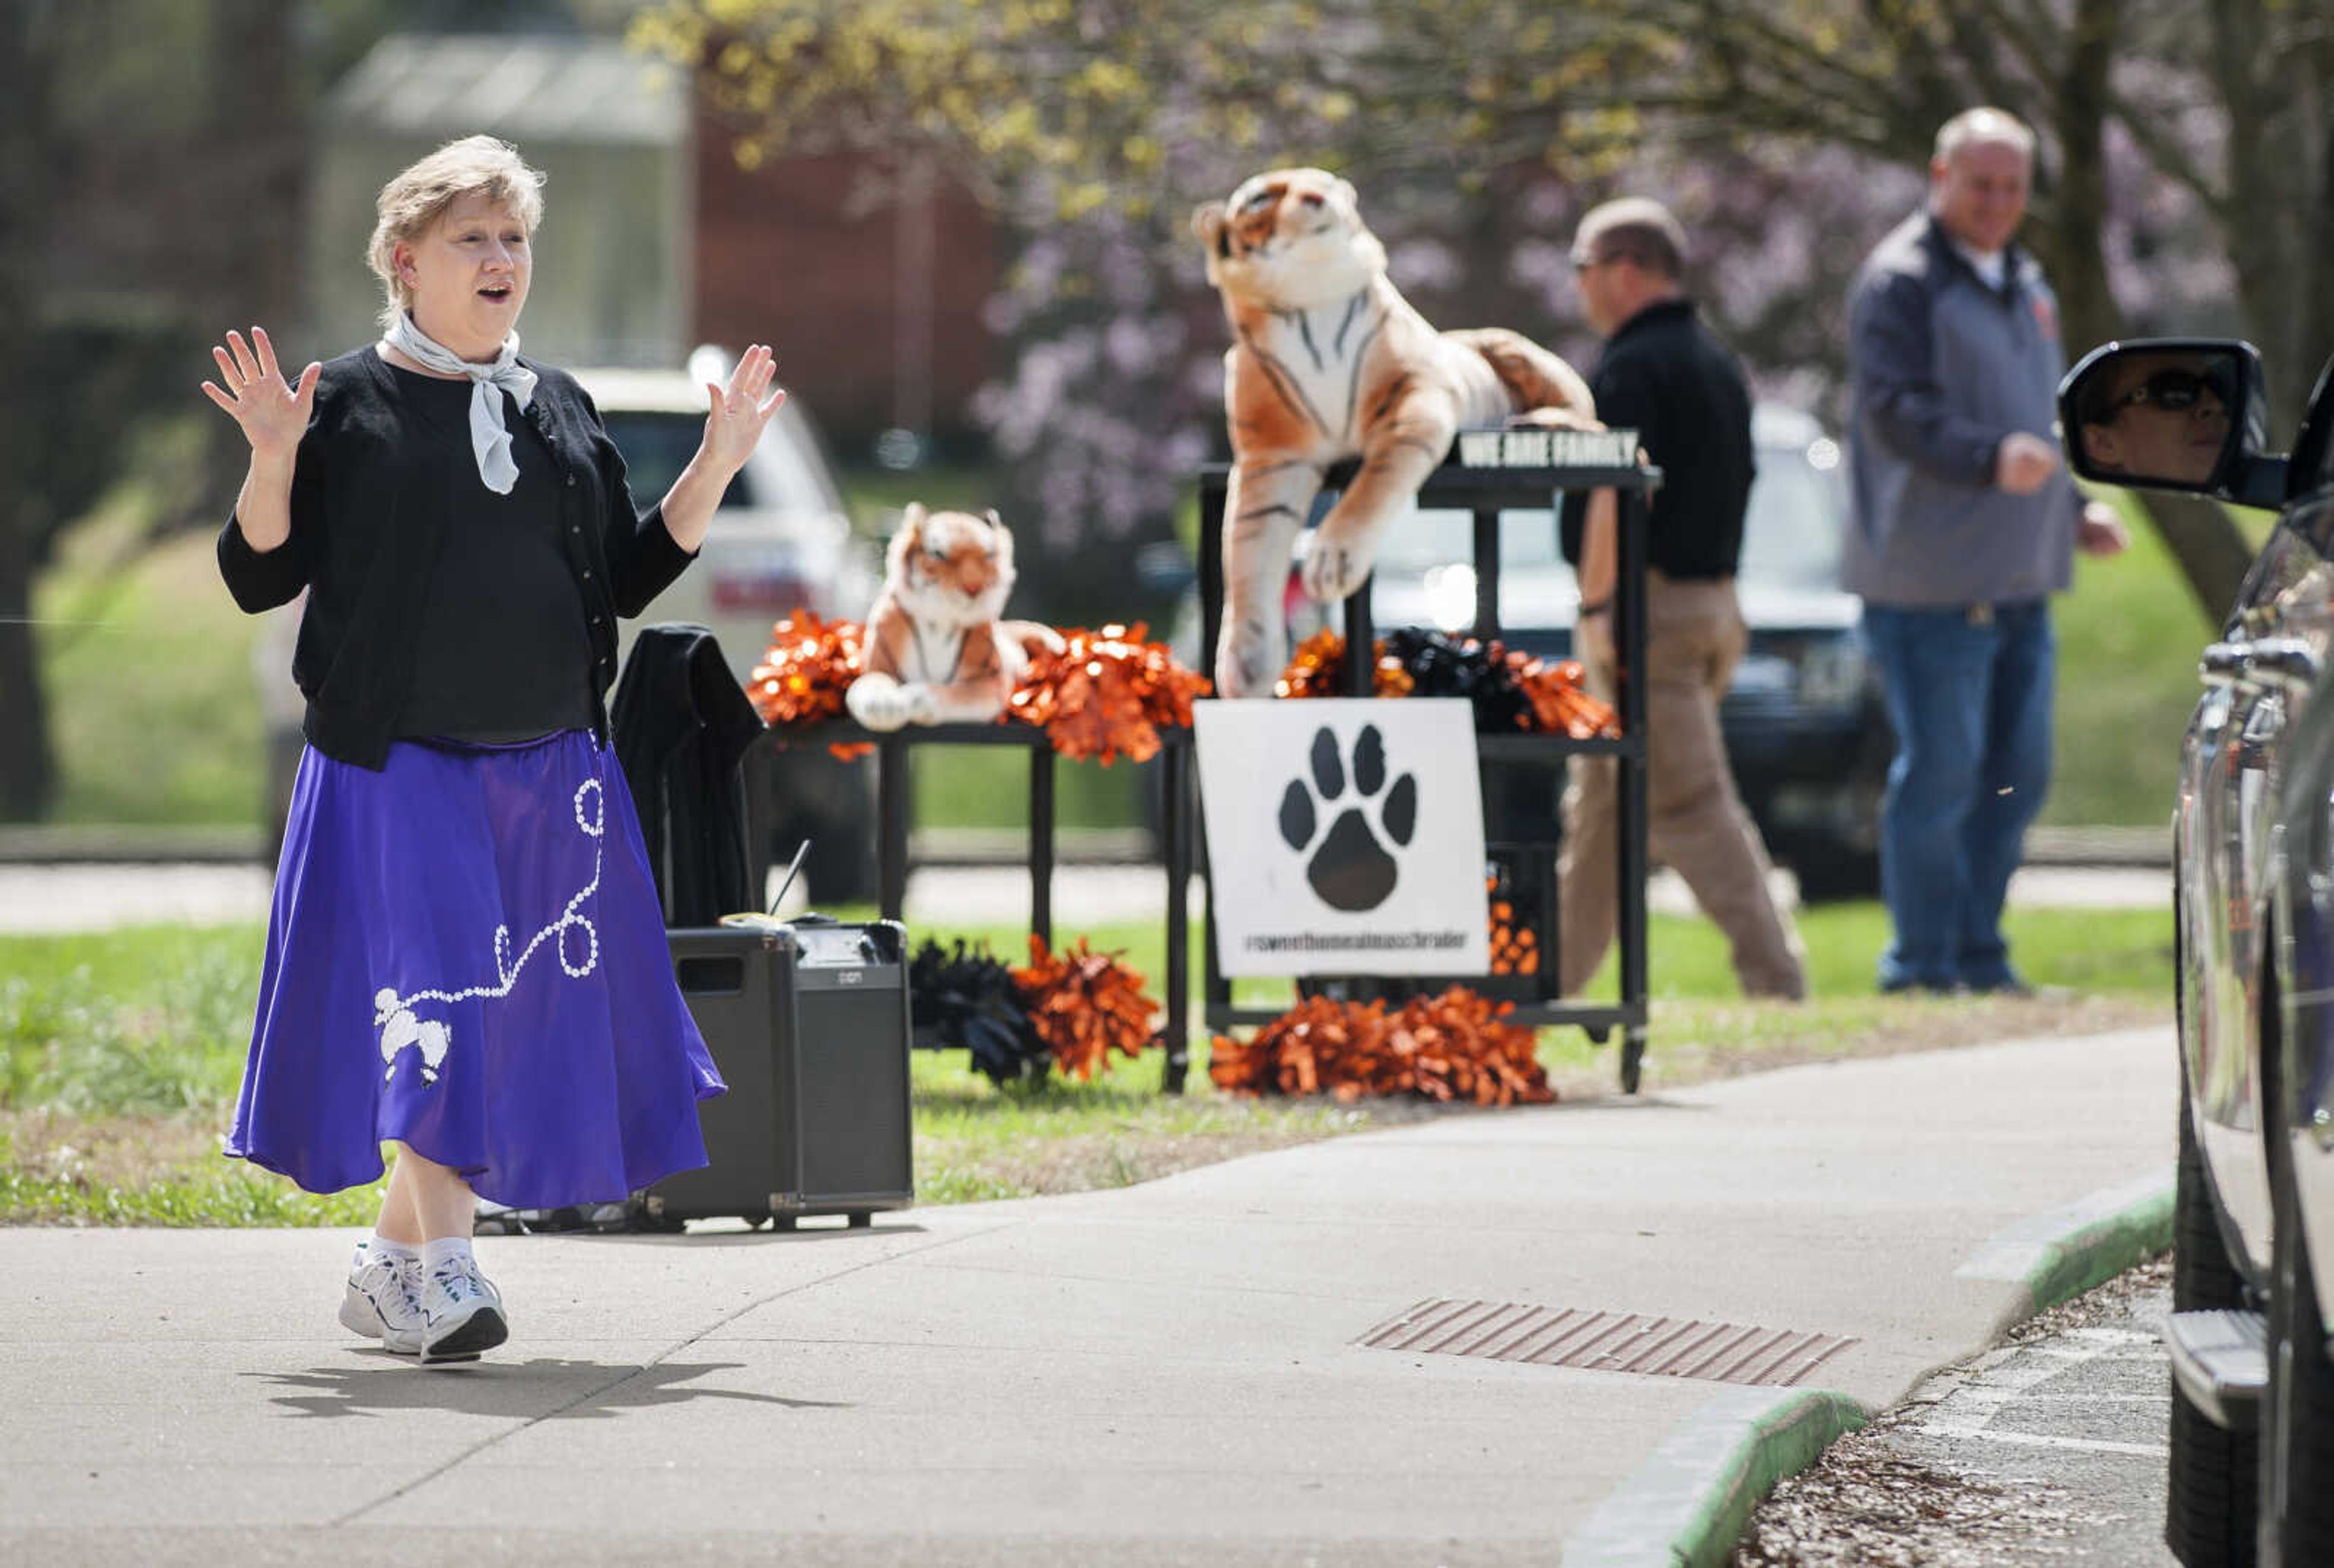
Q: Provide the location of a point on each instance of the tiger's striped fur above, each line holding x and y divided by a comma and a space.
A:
1327, 362
936, 650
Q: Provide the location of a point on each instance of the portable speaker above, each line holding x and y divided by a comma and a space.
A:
808, 1022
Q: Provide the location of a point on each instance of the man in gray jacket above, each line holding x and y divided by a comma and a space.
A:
1965, 523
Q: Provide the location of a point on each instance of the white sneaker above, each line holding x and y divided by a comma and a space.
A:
383, 1302
462, 1315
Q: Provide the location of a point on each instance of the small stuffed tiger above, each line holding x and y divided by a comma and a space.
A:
936, 651
1329, 363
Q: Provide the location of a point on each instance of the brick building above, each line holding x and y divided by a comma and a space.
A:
869, 281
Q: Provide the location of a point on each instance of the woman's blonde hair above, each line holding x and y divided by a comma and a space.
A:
412, 203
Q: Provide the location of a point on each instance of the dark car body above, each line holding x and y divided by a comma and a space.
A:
2253, 1418
1804, 728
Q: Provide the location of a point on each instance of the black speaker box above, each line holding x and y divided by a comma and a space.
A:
808, 1024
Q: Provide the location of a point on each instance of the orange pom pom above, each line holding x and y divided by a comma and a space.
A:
1317, 670
1554, 698
1084, 1006
810, 664
1452, 1046
1105, 694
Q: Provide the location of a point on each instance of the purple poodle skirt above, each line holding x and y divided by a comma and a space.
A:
467, 955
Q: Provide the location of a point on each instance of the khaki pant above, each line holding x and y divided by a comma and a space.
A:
1695, 822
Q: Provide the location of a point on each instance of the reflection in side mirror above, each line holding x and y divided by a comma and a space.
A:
2168, 414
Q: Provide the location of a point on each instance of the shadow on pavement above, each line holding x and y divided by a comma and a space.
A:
537, 1390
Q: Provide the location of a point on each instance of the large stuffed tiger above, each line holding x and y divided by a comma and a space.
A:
1329, 363
936, 650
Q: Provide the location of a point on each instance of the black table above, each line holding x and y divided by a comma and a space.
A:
890, 763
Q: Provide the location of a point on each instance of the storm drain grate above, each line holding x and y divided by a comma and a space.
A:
1605, 1342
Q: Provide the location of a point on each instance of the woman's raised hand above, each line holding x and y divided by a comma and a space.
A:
740, 412
274, 415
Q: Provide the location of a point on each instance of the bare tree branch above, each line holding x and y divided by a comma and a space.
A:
2028, 29
2153, 136
1977, 32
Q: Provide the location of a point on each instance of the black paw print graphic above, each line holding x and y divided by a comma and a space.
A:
1350, 868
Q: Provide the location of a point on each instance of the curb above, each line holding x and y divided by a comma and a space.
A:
1688, 1503
2066, 1251
1686, 1507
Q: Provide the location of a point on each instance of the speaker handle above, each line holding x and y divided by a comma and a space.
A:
800, 850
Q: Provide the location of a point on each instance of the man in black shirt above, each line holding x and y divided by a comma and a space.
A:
1666, 377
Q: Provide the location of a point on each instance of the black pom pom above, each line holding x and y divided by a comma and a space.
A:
963, 999
1441, 665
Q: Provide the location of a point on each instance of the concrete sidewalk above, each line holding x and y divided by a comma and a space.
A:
1163, 1374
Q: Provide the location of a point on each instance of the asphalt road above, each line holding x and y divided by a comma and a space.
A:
2046, 1452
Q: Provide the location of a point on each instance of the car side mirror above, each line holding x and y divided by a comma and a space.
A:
2185, 414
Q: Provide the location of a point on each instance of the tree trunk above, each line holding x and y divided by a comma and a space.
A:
2314, 159
2262, 167
2087, 308
251, 270
28, 768
2213, 555
28, 778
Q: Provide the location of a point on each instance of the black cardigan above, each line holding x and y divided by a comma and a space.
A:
366, 522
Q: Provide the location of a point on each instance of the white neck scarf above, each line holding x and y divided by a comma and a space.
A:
490, 440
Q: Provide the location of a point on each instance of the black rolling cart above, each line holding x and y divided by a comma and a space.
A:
1485, 492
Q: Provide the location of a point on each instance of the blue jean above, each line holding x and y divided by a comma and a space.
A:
1970, 698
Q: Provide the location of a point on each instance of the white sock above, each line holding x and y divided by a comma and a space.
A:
379, 1245
444, 1249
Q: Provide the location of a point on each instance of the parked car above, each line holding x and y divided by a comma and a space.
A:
1804, 724
2252, 1409
780, 540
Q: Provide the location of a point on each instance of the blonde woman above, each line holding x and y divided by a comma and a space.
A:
466, 955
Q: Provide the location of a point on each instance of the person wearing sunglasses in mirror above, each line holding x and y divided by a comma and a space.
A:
2160, 417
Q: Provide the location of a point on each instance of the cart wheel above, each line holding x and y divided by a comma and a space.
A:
755, 1221
782, 1222
1633, 1059
861, 1218
1597, 1033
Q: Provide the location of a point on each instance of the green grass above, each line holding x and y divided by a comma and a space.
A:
142, 1022
2128, 636
975, 1141
987, 786
2097, 952
222, 1193
152, 704
120, 1054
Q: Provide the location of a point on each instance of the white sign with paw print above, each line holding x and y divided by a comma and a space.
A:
1345, 837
